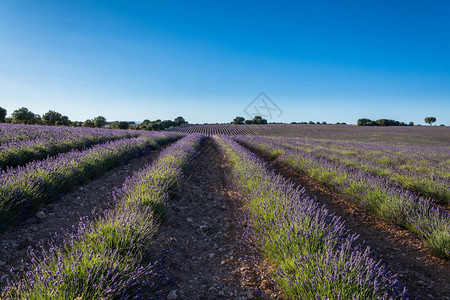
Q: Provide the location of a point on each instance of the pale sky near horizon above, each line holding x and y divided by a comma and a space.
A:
333, 61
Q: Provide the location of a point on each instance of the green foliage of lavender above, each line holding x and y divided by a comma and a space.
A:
24, 188
107, 258
313, 255
393, 203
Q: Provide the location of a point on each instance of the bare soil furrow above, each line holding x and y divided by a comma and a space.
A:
199, 242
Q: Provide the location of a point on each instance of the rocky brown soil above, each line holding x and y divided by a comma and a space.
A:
424, 275
62, 214
199, 241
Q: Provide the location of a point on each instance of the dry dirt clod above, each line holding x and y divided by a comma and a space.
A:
40, 215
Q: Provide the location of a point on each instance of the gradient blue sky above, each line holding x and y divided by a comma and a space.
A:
206, 60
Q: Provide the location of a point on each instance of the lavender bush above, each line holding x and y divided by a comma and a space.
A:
423, 170
24, 188
106, 258
392, 202
23, 143
314, 256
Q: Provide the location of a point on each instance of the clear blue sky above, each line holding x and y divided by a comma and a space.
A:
206, 60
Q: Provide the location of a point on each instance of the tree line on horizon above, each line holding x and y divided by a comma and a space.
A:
259, 120
256, 120
53, 118
389, 122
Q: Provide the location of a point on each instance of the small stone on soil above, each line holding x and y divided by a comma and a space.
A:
40, 214
172, 295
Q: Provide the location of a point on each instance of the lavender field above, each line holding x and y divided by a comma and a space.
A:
435, 136
288, 212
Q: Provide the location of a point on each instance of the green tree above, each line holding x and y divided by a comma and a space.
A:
51, 117
88, 123
24, 116
123, 125
384, 122
155, 126
2, 115
180, 121
145, 125
64, 121
100, 121
259, 120
366, 122
430, 120
238, 120
119, 125
166, 124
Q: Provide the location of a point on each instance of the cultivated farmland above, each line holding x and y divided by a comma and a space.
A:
225, 212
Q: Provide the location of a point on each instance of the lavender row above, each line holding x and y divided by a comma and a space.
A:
24, 188
392, 203
168, 169
18, 132
422, 170
107, 258
52, 142
15, 133
312, 253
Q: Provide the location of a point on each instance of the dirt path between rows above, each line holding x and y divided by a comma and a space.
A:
62, 214
199, 241
425, 276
